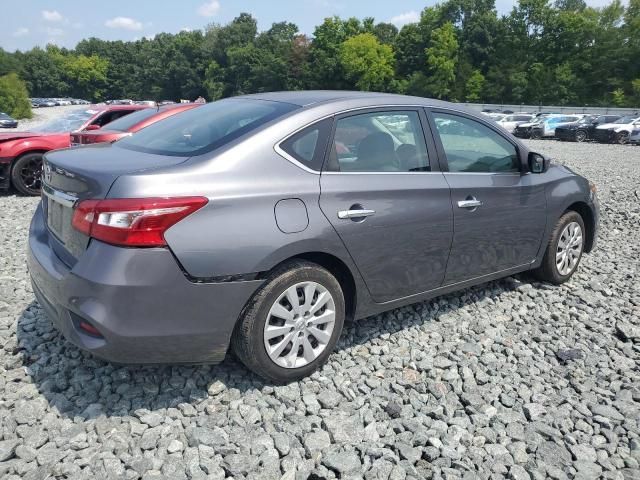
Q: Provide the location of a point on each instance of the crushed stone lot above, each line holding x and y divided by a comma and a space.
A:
512, 379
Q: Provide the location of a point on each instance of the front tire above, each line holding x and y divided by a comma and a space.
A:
292, 323
26, 173
535, 135
564, 251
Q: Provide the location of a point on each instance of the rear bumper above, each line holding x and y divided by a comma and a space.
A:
139, 300
522, 132
5, 172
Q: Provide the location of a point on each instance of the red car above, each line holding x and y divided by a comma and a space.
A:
21, 152
124, 127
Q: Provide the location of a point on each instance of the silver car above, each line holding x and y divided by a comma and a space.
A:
265, 221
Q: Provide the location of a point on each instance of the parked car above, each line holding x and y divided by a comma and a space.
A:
547, 128
265, 221
634, 138
7, 121
583, 129
510, 122
125, 126
21, 152
524, 129
618, 131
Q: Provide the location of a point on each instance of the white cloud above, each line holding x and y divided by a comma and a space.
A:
186, 29
21, 32
54, 32
52, 15
124, 23
209, 9
404, 18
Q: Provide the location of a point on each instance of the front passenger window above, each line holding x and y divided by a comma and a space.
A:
471, 146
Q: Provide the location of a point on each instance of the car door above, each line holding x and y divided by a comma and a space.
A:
499, 212
382, 191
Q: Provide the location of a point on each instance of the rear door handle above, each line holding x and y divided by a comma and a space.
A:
471, 203
344, 214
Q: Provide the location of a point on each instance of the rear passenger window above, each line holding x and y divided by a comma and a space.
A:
389, 141
308, 145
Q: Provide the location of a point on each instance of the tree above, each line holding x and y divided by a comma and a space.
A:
14, 97
475, 84
442, 57
367, 62
618, 98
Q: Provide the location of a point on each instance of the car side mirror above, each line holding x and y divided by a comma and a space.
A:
92, 127
538, 163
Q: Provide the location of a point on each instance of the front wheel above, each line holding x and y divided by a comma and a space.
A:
26, 173
564, 251
535, 135
291, 325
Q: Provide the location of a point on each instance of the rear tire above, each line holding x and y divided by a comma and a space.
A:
622, 138
564, 251
26, 173
269, 320
581, 136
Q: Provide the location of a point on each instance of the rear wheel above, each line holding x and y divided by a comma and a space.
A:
291, 325
564, 251
622, 138
26, 173
581, 136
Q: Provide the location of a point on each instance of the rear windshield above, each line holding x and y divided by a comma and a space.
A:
206, 128
123, 124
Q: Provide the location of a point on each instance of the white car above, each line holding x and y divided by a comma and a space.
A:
547, 128
510, 122
619, 131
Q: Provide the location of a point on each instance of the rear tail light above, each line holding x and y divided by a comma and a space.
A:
133, 222
86, 327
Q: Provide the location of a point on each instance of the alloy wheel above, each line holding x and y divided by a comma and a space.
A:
569, 248
31, 174
299, 325
623, 138
581, 136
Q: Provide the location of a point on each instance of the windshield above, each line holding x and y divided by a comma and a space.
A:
627, 119
205, 128
69, 122
584, 120
123, 124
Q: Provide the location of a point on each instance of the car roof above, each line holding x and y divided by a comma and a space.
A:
102, 108
307, 98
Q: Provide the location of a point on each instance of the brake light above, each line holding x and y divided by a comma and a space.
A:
133, 222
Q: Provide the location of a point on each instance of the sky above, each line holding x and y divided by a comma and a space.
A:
27, 23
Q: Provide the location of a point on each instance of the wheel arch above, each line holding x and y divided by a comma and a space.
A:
589, 222
337, 268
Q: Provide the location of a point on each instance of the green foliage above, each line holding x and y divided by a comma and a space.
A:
367, 62
542, 52
618, 98
475, 84
442, 56
14, 97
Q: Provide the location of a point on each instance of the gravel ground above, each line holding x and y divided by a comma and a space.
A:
41, 115
512, 379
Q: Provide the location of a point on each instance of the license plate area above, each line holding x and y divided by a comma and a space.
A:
58, 219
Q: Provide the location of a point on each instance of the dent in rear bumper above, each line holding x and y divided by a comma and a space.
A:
143, 305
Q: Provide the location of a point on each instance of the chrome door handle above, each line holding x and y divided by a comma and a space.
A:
469, 203
343, 214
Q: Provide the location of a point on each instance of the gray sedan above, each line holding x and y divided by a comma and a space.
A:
263, 222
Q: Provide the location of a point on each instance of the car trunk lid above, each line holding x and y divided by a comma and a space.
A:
73, 175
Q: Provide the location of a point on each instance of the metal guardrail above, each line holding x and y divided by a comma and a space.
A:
553, 108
